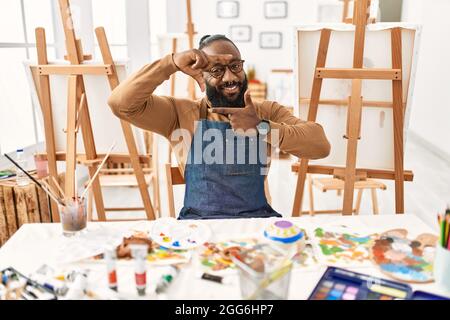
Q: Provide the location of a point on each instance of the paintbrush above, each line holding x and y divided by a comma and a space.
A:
59, 187
285, 267
98, 171
49, 188
35, 181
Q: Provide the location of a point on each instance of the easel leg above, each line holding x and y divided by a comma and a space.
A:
170, 196
353, 123
358, 201
46, 106
374, 201
398, 115
91, 153
311, 195
155, 170
140, 178
89, 205
126, 128
312, 115
71, 136
300, 188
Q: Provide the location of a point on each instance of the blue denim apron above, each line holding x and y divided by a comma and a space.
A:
232, 188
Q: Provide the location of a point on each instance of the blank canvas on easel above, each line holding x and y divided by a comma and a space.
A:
375, 148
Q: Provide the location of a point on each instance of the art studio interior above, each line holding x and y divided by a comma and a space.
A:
216, 150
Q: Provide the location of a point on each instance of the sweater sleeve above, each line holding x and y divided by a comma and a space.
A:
303, 139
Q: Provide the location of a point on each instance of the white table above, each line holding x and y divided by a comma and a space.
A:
33, 244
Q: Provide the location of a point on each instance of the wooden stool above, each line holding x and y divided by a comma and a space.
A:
326, 184
22, 204
123, 178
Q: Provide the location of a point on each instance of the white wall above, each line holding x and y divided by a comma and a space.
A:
430, 113
251, 12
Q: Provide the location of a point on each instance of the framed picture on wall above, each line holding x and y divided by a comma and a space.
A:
275, 9
227, 9
270, 40
241, 33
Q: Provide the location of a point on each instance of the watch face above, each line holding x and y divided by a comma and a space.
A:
263, 127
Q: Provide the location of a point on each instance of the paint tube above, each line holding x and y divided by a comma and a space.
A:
111, 258
139, 254
78, 288
166, 280
56, 286
213, 278
68, 276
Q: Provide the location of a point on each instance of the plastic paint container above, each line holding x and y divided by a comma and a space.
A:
285, 235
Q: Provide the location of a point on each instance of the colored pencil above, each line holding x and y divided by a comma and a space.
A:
442, 230
446, 227
448, 237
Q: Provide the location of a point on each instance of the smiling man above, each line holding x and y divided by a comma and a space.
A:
227, 134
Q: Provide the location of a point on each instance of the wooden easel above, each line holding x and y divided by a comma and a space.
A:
172, 94
345, 10
78, 114
190, 30
350, 174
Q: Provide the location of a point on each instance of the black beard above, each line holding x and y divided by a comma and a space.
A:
218, 100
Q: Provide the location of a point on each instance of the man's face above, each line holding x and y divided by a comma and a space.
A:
228, 90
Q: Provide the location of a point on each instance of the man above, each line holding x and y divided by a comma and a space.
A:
223, 180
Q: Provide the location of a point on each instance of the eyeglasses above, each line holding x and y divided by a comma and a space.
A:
219, 70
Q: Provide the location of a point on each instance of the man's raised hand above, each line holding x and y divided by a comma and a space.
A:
242, 119
194, 62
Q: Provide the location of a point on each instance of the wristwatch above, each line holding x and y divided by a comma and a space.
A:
263, 127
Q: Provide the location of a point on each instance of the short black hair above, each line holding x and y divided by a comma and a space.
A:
208, 39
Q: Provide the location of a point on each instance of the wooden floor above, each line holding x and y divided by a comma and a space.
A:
425, 196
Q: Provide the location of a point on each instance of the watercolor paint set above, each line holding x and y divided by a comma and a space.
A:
341, 284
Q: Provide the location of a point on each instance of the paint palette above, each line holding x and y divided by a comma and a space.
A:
179, 235
343, 247
404, 259
341, 284
216, 256
161, 256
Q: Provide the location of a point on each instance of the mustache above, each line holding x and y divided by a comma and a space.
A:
229, 84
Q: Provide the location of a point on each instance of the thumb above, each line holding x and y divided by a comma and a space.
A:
248, 99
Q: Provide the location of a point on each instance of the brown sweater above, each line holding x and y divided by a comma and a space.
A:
133, 100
